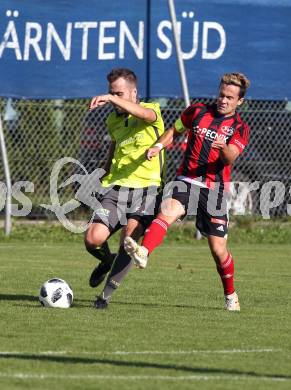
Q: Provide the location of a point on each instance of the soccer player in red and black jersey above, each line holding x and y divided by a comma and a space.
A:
216, 137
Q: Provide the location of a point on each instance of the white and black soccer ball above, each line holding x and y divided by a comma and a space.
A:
56, 293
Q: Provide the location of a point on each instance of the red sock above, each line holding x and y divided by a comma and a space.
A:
226, 272
155, 234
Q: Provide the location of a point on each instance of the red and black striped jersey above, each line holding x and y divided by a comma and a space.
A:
205, 125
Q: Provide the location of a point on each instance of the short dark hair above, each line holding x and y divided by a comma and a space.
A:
125, 73
238, 79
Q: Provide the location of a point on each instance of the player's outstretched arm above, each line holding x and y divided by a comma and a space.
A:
135, 109
98, 101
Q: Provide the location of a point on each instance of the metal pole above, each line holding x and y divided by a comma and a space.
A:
148, 50
182, 72
179, 53
7, 225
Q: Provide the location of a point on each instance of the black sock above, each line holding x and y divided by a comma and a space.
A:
102, 253
121, 267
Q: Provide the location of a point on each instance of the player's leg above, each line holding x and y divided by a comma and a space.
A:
95, 241
139, 209
96, 244
122, 264
215, 228
225, 268
105, 223
101, 252
154, 236
172, 208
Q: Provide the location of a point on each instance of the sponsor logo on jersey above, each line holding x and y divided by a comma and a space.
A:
209, 134
131, 139
227, 130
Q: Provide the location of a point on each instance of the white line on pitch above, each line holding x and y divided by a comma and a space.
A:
178, 352
24, 376
190, 352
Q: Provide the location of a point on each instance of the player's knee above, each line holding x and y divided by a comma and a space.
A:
219, 252
171, 210
94, 238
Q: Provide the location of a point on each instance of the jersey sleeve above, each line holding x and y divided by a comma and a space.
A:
186, 119
158, 123
240, 137
179, 127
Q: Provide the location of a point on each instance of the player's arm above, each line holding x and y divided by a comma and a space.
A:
227, 153
110, 155
181, 125
135, 109
165, 140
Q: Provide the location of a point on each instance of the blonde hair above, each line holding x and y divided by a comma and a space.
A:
238, 79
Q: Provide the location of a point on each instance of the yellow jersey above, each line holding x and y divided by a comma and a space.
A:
132, 137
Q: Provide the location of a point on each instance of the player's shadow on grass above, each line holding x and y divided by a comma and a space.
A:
18, 297
139, 364
161, 305
84, 303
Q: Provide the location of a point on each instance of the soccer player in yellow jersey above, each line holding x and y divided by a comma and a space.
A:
132, 177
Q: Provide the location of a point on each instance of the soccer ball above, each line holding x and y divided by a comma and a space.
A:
56, 293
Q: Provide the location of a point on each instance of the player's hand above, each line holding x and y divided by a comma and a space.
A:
99, 101
152, 152
218, 144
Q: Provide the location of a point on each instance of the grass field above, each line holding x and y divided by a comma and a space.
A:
165, 328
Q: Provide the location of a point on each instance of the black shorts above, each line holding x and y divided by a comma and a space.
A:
209, 206
119, 204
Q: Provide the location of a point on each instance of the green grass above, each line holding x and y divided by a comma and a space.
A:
167, 320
